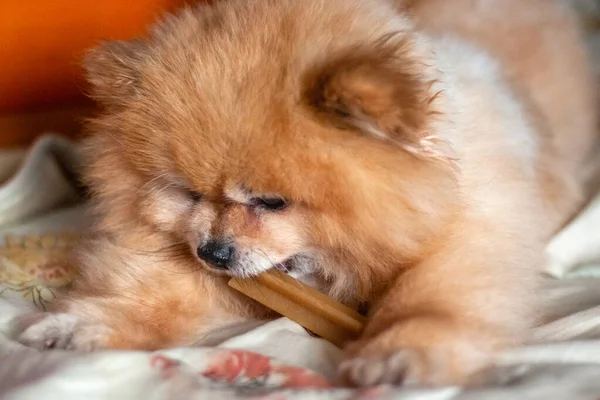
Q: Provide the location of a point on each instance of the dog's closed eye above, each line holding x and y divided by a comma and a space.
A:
270, 203
195, 195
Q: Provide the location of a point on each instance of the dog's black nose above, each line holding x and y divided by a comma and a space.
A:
217, 253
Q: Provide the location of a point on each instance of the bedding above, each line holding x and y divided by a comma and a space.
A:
41, 213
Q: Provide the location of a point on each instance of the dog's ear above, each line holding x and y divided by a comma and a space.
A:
381, 91
113, 69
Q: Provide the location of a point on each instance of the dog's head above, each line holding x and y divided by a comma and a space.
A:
295, 135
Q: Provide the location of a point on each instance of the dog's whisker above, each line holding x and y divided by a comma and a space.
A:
146, 186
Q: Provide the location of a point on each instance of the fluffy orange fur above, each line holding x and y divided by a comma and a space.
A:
424, 151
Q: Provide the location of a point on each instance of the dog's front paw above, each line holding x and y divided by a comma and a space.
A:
398, 367
45, 331
417, 353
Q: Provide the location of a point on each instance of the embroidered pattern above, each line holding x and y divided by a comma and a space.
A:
35, 267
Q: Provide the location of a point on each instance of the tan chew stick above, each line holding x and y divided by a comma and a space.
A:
303, 304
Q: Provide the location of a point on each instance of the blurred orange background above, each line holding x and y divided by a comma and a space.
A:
41, 45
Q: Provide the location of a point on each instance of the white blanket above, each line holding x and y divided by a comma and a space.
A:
38, 204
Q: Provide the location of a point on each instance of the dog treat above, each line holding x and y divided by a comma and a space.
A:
303, 304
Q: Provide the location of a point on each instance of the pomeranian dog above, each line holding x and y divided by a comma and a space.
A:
415, 156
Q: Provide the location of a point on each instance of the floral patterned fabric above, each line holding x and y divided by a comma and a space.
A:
278, 360
35, 267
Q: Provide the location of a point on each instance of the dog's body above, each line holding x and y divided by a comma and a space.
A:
419, 170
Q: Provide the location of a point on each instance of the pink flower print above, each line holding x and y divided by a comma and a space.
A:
301, 378
246, 367
232, 365
167, 366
